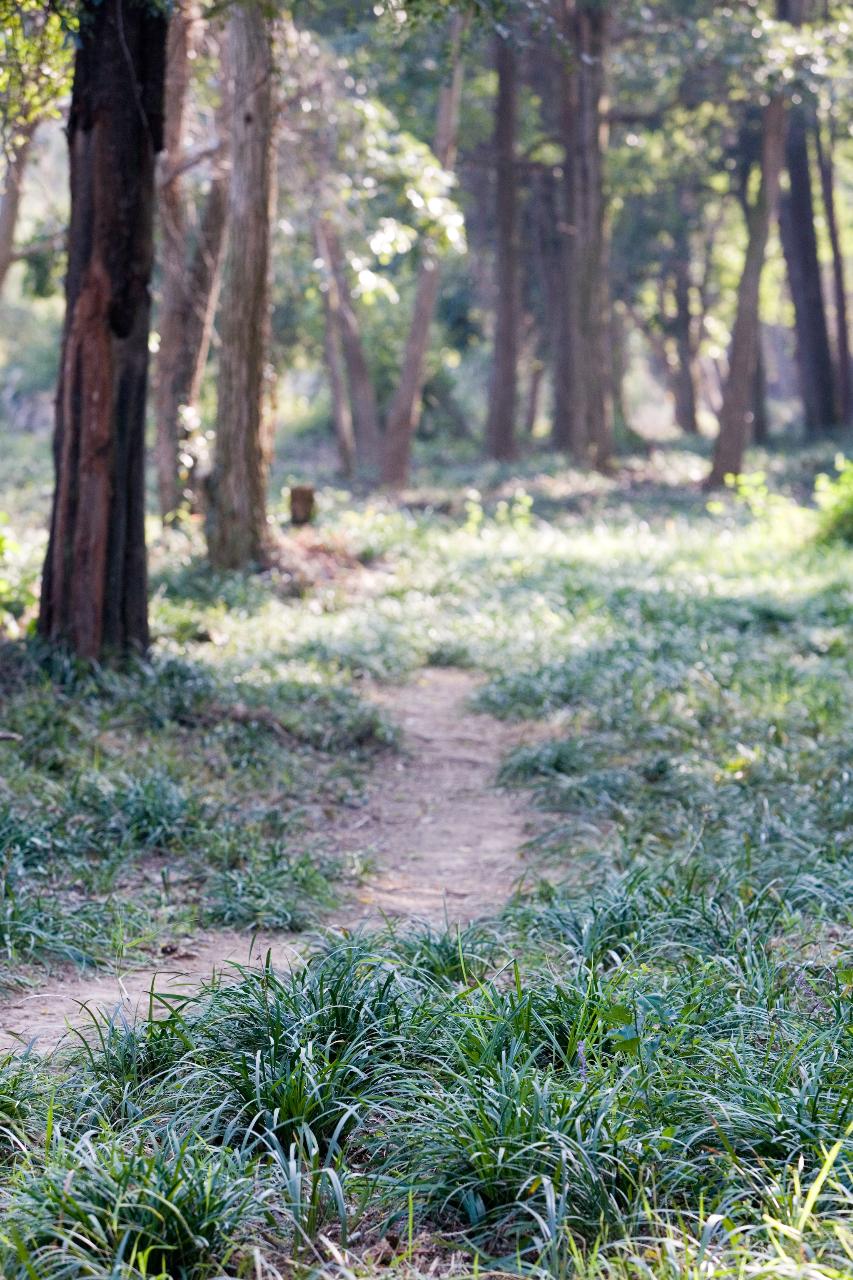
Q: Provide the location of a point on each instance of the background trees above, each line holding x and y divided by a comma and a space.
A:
497, 228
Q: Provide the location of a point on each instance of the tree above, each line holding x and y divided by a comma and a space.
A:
405, 408
583, 367
94, 595
503, 396
35, 68
237, 535
826, 169
333, 349
191, 262
736, 414
799, 242
10, 199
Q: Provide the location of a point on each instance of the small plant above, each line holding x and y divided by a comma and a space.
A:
834, 496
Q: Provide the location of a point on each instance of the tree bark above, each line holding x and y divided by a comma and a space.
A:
503, 395
799, 243
684, 380
405, 409
237, 535
191, 269
592, 45
583, 400
341, 409
365, 411
10, 201
94, 590
842, 332
737, 411
569, 427
534, 395
760, 421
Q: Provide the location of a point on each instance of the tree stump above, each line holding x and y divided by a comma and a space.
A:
302, 504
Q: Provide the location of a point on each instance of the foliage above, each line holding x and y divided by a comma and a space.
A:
835, 498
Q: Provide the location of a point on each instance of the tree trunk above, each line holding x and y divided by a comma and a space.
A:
237, 521
737, 411
405, 409
799, 242
842, 339
684, 380
569, 427
592, 49
760, 422
10, 201
94, 591
503, 395
365, 411
190, 275
341, 409
534, 395
583, 399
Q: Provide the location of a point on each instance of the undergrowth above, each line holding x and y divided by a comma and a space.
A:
642, 1068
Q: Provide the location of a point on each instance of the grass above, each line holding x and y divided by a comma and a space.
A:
643, 1067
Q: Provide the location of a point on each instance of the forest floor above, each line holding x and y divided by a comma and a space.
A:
438, 841
603, 720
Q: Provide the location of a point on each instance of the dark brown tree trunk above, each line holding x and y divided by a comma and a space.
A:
503, 395
341, 409
799, 242
191, 268
237, 535
94, 591
405, 409
842, 331
10, 201
737, 411
365, 411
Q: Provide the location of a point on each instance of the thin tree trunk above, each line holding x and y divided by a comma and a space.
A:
684, 379
760, 421
799, 242
405, 409
842, 332
341, 408
737, 412
237, 522
190, 276
365, 411
503, 396
592, 50
94, 592
569, 427
534, 396
10, 201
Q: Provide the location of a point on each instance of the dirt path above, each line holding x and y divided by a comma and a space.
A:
439, 839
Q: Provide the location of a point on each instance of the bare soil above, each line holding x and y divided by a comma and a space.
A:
440, 842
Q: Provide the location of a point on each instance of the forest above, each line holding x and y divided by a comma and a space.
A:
426, 639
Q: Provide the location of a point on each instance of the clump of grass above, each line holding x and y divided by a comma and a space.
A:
99, 1208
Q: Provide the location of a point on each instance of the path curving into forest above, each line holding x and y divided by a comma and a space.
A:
440, 840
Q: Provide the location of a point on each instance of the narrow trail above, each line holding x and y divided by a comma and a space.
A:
441, 843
